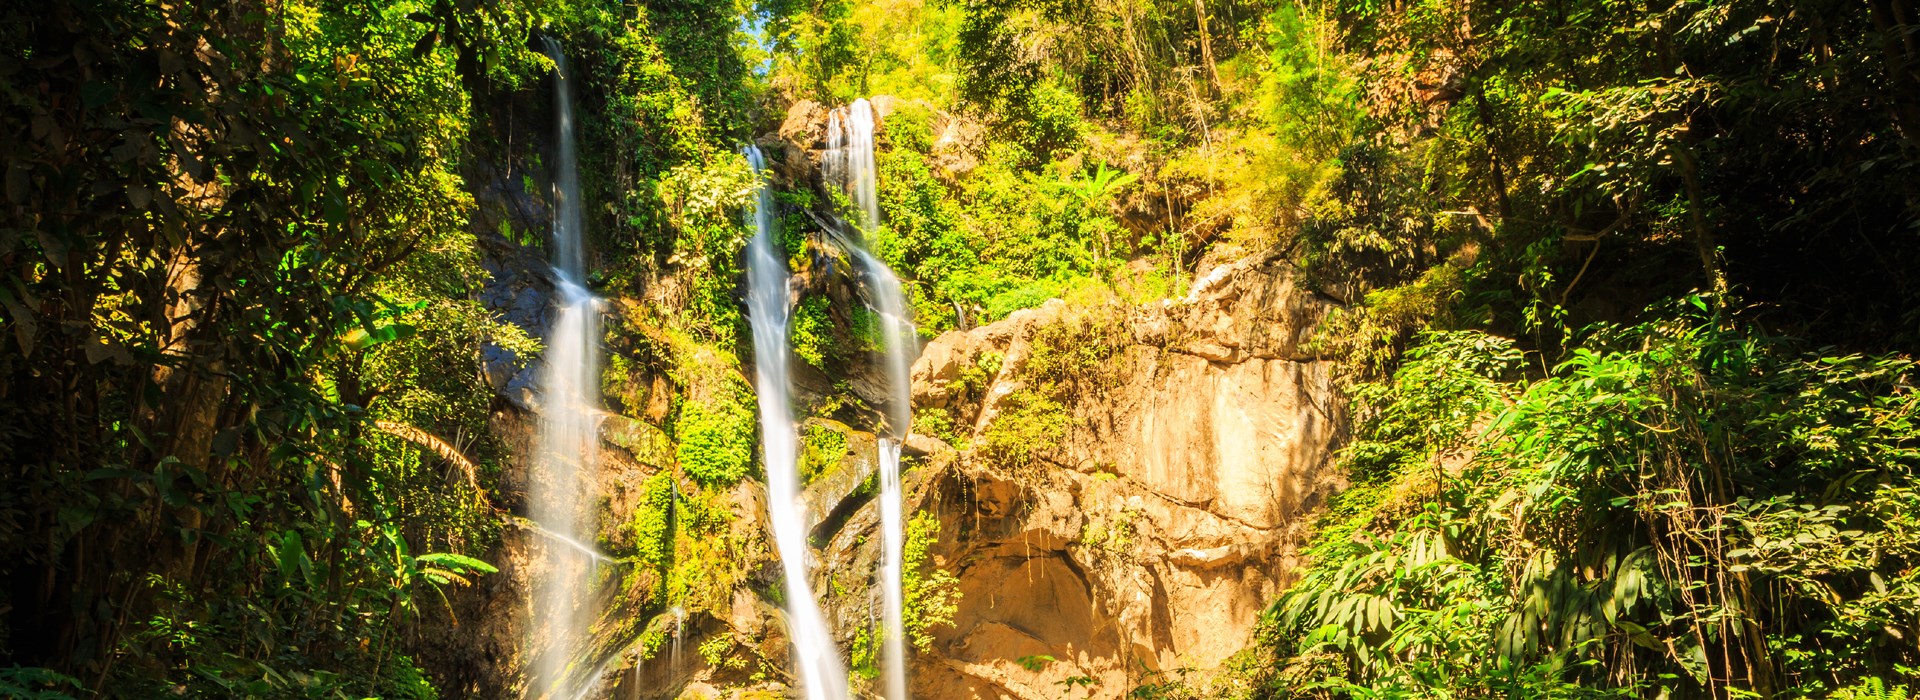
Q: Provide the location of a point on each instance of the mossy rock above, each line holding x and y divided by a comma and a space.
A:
855, 456
824, 444
647, 443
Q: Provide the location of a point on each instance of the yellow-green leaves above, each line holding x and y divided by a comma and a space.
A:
704, 194
449, 568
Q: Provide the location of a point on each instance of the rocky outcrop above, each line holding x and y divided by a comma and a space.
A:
1149, 538
957, 145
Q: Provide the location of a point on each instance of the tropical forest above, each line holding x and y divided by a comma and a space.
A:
960, 349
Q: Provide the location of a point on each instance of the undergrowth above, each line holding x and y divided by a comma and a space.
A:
1683, 508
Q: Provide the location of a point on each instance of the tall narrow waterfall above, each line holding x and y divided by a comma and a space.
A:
822, 677
850, 161
900, 342
569, 420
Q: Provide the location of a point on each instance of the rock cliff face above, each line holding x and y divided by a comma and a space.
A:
1148, 539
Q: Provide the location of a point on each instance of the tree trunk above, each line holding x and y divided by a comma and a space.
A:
1206, 44
1702, 233
1493, 155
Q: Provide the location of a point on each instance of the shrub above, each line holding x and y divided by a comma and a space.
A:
716, 440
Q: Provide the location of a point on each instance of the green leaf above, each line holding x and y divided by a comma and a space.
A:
1034, 662
369, 336
456, 562
425, 45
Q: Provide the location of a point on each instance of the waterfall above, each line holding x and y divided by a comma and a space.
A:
900, 347
849, 159
568, 259
850, 162
679, 630
568, 443
822, 677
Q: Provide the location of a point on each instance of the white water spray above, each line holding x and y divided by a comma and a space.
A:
568, 444
850, 163
679, 631
822, 677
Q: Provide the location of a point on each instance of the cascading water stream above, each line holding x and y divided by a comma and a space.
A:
849, 159
817, 661
568, 442
899, 343
679, 631
850, 162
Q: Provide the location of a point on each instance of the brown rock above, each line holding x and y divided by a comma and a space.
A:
803, 125
1192, 478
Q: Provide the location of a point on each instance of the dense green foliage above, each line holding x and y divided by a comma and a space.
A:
1624, 309
1678, 506
956, 239
1577, 164
932, 594
822, 447
1683, 504
248, 443
986, 227
716, 442
232, 264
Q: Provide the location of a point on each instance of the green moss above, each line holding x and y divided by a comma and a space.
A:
866, 330
931, 594
652, 522
682, 548
822, 446
811, 332
716, 441
864, 654
620, 384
